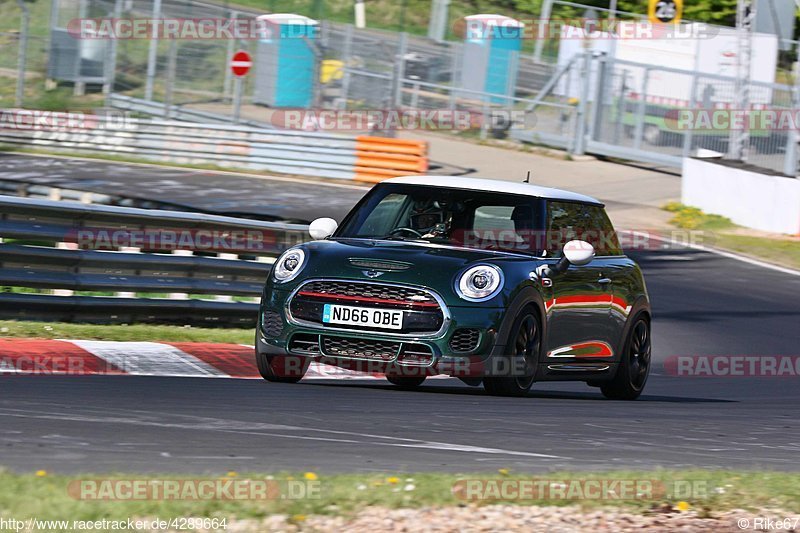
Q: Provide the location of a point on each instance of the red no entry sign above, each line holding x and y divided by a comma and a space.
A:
241, 63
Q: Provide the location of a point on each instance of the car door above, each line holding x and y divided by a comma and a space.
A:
578, 303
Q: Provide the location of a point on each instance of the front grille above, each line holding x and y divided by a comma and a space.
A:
360, 348
354, 289
272, 323
465, 340
421, 311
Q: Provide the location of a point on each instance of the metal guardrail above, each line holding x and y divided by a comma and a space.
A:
362, 158
131, 254
175, 112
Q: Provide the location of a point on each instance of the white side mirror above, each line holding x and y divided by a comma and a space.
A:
578, 253
322, 228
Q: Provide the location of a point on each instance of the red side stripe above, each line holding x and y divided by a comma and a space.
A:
232, 359
47, 356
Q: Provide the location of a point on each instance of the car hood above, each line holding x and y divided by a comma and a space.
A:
431, 266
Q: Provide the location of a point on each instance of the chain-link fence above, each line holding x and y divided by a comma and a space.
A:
606, 105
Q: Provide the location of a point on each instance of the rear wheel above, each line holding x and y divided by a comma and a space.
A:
281, 368
524, 342
634, 365
406, 382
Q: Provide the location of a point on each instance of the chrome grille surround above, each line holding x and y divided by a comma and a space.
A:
373, 289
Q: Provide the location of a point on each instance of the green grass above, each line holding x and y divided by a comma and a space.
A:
45, 496
724, 234
134, 332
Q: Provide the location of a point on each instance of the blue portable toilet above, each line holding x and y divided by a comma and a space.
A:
285, 60
490, 59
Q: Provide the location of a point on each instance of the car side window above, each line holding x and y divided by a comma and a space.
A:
569, 220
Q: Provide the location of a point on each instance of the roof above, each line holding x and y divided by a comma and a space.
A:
489, 185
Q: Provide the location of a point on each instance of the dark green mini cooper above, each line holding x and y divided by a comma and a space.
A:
488, 281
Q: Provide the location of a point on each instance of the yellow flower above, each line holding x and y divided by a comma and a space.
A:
298, 518
232, 474
503, 471
310, 476
393, 480
41, 473
683, 506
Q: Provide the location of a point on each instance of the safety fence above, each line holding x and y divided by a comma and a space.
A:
65, 261
362, 158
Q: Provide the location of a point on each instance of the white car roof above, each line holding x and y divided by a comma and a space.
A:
489, 185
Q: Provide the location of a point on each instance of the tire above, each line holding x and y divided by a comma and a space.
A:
634, 365
281, 368
526, 340
406, 382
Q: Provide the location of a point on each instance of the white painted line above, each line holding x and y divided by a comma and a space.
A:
729, 255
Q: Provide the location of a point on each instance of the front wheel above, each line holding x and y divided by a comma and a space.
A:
525, 341
634, 365
281, 368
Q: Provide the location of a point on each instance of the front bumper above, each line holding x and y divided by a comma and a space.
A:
443, 352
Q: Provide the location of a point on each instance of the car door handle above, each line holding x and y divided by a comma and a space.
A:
604, 281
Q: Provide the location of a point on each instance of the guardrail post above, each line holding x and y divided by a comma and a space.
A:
134, 250
180, 295
65, 246
226, 297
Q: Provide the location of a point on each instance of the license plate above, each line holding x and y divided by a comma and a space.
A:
362, 316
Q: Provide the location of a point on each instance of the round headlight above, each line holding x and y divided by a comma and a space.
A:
289, 264
480, 283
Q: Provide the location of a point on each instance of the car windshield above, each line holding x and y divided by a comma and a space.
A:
465, 218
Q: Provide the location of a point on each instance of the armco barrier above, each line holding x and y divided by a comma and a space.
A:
124, 252
362, 158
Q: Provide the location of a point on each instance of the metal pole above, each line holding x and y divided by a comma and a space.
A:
171, 64
739, 140
348, 50
226, 89
152, 54
360, 14
399, 73
19, 97
437, 27
80, 86
237, 99
544, 18
792, 137
580, 130
111, 60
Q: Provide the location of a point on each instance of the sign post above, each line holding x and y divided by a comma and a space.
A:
240, 66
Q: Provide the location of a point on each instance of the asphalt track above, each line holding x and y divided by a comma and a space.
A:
704, 304
197, 190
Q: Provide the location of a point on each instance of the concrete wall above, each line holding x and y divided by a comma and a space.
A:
750, 199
